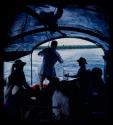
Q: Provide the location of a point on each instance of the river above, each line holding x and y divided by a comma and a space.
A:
94, 58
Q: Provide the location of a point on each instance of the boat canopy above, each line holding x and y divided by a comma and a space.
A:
34, 25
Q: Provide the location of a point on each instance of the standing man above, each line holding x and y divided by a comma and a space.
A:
50, 57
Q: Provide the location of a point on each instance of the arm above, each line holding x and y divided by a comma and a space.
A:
60, 60
40, 53
44, 51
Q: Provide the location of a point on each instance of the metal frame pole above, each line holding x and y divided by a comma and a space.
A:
31, 70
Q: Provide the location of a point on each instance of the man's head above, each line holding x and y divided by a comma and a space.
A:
96, 72
19, 63
54, 44
82, 61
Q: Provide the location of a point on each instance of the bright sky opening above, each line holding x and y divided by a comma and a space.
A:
71, 41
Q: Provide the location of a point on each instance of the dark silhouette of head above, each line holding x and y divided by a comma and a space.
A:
19, 63
54, 44
82, 61
97, 72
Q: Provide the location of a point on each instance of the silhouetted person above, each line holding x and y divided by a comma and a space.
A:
97, 81
82, 80
50, 57
82, 74
17, 76
97, 91
16, 91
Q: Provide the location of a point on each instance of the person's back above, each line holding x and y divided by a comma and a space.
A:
97, 90
50, 57
97, 82
15, 93
17, 78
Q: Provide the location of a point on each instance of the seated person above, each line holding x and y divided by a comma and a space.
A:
82, 73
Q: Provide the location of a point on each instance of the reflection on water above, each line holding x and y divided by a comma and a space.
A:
94, 58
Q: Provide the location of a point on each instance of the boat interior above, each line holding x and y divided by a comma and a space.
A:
28, 24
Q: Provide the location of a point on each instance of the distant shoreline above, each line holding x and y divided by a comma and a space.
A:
73, 47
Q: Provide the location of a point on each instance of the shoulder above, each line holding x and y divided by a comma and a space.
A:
43, 51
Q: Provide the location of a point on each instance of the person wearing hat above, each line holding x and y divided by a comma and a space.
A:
82, 63
17, 75
82, 78
50, 57
83, 74
16, 89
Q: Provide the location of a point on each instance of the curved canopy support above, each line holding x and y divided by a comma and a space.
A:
72, 22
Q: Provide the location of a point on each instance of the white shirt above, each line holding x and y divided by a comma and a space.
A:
50, 57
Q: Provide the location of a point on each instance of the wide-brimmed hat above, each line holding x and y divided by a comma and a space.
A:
19, 63
82, 60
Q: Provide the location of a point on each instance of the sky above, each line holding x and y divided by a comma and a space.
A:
71, 41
